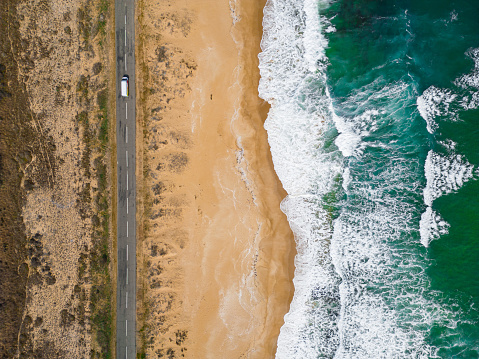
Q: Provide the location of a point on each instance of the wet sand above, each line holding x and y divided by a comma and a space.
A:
216, 252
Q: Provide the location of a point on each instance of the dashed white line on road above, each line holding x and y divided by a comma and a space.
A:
126, 306
126, 229
126, 110
127, 276
127, 157
125, 19
127, 180
126, 135
125, 40
126, 352
126, 327
127, 252
125, 54
126, 205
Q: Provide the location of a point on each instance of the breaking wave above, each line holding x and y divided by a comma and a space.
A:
360, 190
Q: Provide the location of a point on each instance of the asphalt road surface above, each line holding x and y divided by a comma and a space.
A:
126, 162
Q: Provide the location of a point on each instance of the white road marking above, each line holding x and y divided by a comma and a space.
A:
127, 283
125, 38
126, 205
126, 135
126, 229
126, 353
125, 19
125, 55
127, 157
126, 327
127, 180
126, 110
127, 252
126, 300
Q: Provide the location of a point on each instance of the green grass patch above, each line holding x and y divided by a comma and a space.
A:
84, 23
104, 6
103, 9
96, 202
102, 99
101, 304
102, 290
82, 86
82, 120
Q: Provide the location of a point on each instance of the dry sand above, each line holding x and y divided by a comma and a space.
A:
215, 251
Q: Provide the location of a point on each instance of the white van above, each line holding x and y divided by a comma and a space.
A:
124, 86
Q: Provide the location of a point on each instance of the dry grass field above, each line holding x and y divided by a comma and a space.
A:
55, 192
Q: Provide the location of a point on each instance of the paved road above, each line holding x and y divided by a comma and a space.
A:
126, 159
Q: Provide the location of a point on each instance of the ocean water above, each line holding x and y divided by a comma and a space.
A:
374, 132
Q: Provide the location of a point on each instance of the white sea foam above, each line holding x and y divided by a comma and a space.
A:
470, 83
471, 79
379, 279
346, 179
348, 140
431, 227
432, 103
444, 175
436, 102
470, 101
310, 325
449, 145
292, 61
235, 16
351, 131
351, 284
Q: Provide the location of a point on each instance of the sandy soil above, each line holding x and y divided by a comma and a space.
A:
60, 66
216, 253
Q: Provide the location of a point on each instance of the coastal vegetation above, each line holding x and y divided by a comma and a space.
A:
57, 121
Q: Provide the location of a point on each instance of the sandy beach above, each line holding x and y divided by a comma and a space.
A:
215, 251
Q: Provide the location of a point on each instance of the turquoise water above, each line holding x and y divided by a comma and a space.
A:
414, 45
374, 131
411, 46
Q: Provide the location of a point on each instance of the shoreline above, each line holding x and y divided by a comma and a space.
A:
217, 252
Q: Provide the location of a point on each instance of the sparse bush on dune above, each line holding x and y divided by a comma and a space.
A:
56, 287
